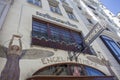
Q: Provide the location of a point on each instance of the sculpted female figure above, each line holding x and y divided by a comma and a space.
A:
11, 70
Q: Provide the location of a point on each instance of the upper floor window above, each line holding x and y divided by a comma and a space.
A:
118, 43
36, 2
54, 6
93, 72
79, 8
55, 9
89, 20
112, 46
49, 35
91, 7
71, 15
69, 70
69, 11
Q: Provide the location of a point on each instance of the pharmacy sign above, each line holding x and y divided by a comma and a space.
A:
94, 33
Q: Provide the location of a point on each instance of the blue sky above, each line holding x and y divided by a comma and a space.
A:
112, 5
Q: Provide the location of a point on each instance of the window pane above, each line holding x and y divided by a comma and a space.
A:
40, 29
105, 37
55, 34
71, 15
93, 72
113, 46
52, 8
116, 48
2, 6
68, 70
30, 1
36, 2
77, 37
55, 9
65, 35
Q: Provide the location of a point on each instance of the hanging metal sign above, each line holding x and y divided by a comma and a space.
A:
94, 33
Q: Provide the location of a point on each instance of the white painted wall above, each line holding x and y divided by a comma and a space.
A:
19, 21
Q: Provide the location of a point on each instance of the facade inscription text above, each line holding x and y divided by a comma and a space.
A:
61, 60
55, 19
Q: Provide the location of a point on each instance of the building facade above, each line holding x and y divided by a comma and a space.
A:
4, 8
53, 36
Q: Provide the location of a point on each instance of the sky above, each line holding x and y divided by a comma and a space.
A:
112, 5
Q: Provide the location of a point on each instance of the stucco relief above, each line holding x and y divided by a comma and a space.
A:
29, 53
2, 51
36, 53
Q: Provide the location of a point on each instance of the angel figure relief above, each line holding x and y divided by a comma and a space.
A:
11, 70
15, 49
14, 53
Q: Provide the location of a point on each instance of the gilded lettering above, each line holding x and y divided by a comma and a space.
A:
49, 60
43, 61
55, 19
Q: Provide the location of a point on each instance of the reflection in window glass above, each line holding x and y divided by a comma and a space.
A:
112, 46
93, 72
55, 33
69, 69
71, 15
56, 37
55, 9
39, 29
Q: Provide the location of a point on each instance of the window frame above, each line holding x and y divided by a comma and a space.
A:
35, 2
71, 15
55, 9
61, 40
91, 7
83, 69
106, 41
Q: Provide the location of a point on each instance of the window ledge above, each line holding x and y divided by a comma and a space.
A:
57, 13
74, 20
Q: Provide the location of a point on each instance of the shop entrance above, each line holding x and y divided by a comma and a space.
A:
70, 78
68, 71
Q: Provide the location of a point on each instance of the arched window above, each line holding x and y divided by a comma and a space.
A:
69, 70
112, 46
93, 72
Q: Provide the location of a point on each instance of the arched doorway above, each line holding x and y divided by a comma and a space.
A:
68, 71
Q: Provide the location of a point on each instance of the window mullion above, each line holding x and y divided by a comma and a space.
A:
48, 31
72, 37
